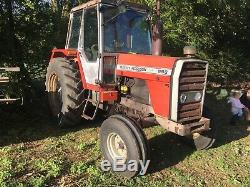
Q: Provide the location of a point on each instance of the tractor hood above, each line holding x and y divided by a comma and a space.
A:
145, 66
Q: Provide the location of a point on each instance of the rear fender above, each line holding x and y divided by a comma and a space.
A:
64, 53
70, 54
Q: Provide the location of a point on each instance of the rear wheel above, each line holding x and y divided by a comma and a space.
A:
118, 140
65, 91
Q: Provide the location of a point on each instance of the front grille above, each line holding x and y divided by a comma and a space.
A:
192, 78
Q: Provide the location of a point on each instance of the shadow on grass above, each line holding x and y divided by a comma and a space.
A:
168, 149
217, 101
32, 123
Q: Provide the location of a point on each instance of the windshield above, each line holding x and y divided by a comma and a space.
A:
126, 31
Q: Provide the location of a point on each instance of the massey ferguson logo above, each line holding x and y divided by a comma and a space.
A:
183, 98
123, 67
139, 69
149, 70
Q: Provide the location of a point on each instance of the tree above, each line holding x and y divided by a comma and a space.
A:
219, 29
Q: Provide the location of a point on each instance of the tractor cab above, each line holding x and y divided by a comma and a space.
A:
126, 30
100, 27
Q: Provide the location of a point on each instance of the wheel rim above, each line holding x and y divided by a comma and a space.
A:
117, 148
56, 92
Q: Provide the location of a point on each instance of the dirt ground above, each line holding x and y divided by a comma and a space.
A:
33, 152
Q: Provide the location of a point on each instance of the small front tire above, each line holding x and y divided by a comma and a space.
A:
119, 141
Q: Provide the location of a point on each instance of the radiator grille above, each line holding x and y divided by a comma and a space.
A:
192, 78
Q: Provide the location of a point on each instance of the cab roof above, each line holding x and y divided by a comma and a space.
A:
111, 2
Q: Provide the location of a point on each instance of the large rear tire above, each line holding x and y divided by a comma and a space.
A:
65, 91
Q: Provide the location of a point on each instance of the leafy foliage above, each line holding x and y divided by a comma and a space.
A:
219, 29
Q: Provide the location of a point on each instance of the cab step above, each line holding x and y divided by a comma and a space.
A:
87, 102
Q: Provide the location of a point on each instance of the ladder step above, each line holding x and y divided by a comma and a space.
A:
90, 100
86, 117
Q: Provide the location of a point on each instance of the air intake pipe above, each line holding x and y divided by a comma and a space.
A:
157, 33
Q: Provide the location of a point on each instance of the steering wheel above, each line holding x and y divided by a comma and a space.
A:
118, 44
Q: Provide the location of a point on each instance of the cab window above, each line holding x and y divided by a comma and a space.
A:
91, 34
75, 30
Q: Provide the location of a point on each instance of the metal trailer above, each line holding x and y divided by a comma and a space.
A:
4, 82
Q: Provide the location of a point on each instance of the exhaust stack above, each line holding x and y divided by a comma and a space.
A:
157, 35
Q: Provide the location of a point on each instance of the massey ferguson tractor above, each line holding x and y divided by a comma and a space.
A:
112, 63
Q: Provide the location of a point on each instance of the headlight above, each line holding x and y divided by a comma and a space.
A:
190, 97
197, 96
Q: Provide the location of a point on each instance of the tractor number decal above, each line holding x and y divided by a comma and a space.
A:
141, 69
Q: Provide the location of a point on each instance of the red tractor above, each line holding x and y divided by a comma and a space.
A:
111, 62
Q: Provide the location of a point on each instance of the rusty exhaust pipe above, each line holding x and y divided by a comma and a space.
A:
157, 35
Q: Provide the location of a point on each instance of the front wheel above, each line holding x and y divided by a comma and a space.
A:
122, 147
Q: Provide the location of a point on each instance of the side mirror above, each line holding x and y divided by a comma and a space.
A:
149, 18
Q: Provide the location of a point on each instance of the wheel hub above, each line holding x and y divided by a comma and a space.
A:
56, 88
117, 148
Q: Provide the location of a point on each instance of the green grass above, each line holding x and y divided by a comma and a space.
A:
34, 153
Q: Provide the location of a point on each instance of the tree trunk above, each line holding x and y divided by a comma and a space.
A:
15, 49
11, 34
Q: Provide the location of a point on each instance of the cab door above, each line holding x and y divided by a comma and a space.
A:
89, 45
84, 34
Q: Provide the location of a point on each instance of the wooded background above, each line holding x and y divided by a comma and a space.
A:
220, 30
